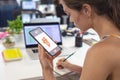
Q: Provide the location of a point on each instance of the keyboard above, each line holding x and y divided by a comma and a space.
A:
35, 50
65, 50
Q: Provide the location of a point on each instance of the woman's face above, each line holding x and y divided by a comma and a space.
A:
80, 19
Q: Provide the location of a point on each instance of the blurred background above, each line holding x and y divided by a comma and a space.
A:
32, 11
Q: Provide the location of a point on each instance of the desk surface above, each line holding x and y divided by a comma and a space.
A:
28, 68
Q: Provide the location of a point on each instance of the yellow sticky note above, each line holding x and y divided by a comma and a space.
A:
12, 54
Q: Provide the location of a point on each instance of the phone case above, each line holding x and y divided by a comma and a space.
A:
43, 39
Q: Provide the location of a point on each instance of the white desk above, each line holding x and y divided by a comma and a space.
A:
27, 68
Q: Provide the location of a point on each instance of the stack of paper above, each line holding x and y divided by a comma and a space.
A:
90, 41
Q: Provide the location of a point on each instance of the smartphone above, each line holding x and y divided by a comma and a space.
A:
44, 40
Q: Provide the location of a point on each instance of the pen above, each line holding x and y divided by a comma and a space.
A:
69, 56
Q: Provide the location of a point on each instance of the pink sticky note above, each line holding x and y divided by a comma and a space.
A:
3, 34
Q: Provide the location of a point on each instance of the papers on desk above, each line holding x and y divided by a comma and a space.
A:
90, 41
12, 54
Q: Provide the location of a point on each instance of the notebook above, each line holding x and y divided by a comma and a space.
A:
52, 29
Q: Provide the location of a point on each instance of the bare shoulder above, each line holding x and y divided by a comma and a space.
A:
101, 60
102, 52
108, 50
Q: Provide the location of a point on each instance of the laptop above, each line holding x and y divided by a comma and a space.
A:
52, 29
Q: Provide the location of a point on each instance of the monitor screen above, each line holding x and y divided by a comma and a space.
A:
28, 5
52, 29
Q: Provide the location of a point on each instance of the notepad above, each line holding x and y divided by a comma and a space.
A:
12, 54
60, 72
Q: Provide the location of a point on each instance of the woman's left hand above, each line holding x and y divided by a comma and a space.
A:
45, 59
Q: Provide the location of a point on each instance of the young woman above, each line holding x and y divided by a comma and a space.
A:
102, 61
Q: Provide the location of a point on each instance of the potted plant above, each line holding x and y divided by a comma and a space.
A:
8, 42
15, 26
14, 31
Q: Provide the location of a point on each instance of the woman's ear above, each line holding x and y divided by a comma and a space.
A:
87, 10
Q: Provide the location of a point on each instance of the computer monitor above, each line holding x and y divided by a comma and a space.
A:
28, 5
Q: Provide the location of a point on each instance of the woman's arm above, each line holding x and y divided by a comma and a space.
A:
75, 68
48, 74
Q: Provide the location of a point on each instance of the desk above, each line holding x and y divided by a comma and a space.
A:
27, 68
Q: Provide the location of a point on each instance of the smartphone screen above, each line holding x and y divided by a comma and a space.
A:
42, 38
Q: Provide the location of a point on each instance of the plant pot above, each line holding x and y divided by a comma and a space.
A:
9, 45
9, 41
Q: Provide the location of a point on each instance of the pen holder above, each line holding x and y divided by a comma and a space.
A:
78, 40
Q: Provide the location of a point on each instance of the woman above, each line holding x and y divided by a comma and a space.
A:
102, 61
9, 10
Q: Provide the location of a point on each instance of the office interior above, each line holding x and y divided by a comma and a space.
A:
30, 10
37, 11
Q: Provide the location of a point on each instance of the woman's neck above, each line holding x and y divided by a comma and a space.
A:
103, 27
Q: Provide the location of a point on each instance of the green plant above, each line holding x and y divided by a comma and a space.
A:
8, 42
15, 26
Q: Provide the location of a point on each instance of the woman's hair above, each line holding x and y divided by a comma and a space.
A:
56, 2
109, 8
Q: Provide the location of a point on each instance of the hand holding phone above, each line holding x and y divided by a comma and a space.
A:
44, 40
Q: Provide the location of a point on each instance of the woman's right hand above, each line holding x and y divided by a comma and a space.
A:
61, 64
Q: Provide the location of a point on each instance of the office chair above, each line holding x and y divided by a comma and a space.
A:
60, 13
64, 18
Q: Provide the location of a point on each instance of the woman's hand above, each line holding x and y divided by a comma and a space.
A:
61, 64
46, 63
45, 59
